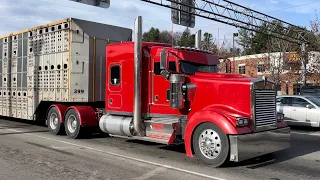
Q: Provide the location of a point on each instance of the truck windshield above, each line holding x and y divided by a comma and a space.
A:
188, 67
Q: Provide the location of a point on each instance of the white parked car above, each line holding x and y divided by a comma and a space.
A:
299, 110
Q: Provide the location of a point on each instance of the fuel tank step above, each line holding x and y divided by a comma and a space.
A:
164, 130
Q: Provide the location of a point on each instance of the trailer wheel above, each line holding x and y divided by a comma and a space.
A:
72, 124
54, 122
210, 144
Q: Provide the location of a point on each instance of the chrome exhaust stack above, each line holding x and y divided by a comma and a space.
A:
123, 125
198, 40
137, 123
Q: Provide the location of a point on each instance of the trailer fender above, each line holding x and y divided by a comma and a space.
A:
206, 116
87, 116
61, 110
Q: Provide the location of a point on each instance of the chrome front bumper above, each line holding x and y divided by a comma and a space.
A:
243, 147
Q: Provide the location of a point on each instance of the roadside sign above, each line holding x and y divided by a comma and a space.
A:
292, 57
98, 3
183, 13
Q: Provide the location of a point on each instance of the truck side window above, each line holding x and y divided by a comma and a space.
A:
115, 75
156, 68
172, 67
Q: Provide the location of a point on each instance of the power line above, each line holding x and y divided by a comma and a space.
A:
294, 6
58, 4
112, 14
130, 17
15, 19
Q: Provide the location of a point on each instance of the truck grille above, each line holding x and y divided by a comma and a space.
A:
265, 108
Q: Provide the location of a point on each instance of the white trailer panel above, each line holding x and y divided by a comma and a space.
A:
63, 61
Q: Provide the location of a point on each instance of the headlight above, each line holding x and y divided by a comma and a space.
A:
280, 117
242, 121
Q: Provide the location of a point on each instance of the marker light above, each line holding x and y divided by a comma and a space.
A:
242, 121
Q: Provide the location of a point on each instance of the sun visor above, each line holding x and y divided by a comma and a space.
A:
199, 57
212, 59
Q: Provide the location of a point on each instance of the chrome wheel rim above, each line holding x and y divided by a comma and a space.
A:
72, 123
53, 121
210, 143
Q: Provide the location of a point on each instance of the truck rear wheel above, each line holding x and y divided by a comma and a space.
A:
210, 144
72, 124
54, 122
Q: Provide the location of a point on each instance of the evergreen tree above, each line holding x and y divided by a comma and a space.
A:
186, 39
153, 35
244, 40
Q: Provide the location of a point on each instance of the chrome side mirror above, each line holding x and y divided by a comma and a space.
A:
163, 64
163, 59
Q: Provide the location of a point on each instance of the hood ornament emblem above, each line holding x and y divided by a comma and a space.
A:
265, 81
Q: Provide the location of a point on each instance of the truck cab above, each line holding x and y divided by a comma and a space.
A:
142, 90
219, 117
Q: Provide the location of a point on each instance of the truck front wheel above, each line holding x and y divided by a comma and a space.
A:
210, 144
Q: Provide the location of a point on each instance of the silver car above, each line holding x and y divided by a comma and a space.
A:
299, 110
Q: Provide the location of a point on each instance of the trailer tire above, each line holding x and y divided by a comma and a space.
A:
72, 125
54, 122
211, 144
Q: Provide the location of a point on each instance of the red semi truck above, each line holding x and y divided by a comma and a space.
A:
156, 92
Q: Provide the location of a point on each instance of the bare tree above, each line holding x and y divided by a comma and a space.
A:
222, 50
278, 63
313, 66
315, 25
280, 60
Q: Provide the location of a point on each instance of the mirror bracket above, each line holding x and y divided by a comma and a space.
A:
165, 74
163, 64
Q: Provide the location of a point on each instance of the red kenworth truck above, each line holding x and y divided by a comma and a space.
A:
80, 75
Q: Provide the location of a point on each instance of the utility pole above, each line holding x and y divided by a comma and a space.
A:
233, 52
304, 64
251, 42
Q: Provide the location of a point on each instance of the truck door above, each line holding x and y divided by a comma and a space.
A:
160, 89
114, 98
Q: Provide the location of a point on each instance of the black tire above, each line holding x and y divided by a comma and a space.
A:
55, 127
221, 154
77, 131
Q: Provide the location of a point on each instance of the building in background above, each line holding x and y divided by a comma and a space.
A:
283, 68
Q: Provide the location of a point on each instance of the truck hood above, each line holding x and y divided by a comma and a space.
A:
228, 92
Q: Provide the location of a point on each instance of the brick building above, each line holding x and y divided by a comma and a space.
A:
283, 68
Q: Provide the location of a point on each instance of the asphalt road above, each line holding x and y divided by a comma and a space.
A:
29, 151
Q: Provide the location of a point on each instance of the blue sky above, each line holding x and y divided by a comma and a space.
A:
16, 15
